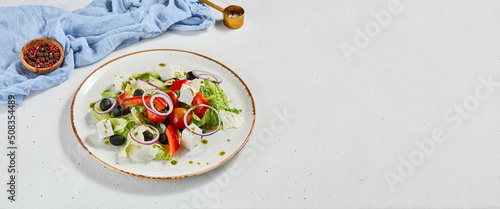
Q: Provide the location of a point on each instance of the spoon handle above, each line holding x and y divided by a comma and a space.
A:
212, 5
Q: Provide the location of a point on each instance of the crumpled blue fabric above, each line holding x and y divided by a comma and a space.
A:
87, 35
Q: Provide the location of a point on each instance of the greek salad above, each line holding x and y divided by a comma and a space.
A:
151, 115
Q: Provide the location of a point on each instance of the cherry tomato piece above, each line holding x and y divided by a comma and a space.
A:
161, 106
177, 118
155, 118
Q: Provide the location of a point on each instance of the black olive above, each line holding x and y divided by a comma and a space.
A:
148, 136
190, 75
118, 111
105, 104
163, 139
117, 140
138, 92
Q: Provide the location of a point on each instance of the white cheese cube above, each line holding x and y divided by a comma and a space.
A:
121, 80
177, 71
187, 94
105, 129
188, 139
197, 83
171, 72
164, 71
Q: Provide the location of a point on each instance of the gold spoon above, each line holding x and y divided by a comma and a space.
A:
233, 15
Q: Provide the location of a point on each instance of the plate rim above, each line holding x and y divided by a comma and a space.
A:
167, 177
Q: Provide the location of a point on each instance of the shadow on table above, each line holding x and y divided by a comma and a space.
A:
107, 177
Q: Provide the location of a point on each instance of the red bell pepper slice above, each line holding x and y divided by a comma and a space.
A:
133, 101
173, 139
176, 86
159, 104
121, 98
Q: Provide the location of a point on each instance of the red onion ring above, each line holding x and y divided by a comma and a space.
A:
201, 134
169, 104
200, 73
144, 142
160, 94
149, 83
108, 110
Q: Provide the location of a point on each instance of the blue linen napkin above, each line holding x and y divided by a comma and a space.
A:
87, 35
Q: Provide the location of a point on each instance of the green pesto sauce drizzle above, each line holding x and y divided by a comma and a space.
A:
162, 64
173, 162
204, 141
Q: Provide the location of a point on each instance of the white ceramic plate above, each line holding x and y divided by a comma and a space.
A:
202, 158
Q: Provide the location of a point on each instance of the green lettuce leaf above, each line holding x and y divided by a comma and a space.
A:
99, 117
157, 82
209, 120
122, 126
231, 120
219, 100
206, 92
128, 89
160, 126
146, 75
125, 150
140, 108
162, 155
109, 93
